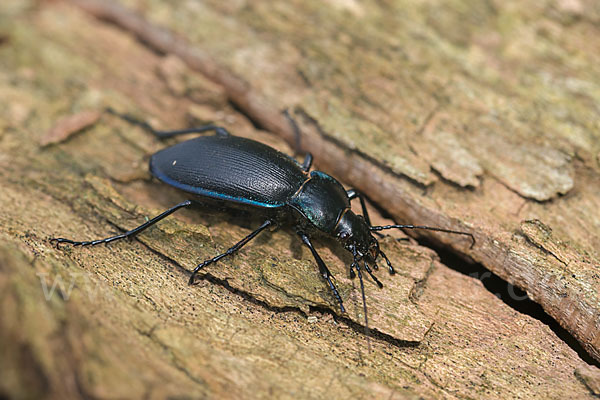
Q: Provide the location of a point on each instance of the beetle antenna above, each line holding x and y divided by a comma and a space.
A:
364, 301
356, 265
431, 228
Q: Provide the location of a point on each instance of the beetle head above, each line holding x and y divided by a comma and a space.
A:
354, 233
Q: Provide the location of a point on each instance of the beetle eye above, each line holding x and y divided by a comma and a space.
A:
344, 235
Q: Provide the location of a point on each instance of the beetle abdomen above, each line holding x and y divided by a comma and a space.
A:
229, 168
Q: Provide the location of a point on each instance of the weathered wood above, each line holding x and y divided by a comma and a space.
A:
261, 324
479, 121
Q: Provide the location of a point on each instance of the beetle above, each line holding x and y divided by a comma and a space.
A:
240, 172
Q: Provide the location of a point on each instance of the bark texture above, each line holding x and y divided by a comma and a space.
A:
475, 116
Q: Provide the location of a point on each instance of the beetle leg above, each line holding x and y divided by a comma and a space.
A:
370, 272
367, 268
220, 131
231, 250
132, 232
323, 270
352, 194
294, 128
308, 159
387, 260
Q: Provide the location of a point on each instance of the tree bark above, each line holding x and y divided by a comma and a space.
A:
475, 117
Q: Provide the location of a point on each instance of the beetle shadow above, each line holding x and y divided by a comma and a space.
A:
250, 220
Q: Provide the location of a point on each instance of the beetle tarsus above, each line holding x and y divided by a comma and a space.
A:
219, 131
83, 243
130, 233
370, 272
387, 261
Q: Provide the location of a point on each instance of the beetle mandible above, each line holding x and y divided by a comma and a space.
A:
242, 172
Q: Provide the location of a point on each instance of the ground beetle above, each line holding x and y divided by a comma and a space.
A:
242, 172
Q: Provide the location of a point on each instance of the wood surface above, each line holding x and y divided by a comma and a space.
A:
476, 116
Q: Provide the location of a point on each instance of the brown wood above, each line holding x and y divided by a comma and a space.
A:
405, 129
482, 123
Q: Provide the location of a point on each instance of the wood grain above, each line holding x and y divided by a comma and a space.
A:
380, 93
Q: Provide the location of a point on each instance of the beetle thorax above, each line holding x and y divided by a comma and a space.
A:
321, 200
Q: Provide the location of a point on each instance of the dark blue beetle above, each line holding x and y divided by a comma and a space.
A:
242, 172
